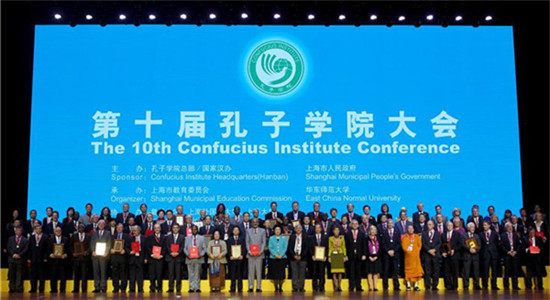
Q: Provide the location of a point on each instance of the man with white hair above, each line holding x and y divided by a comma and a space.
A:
511, 246
470, 256
99, 262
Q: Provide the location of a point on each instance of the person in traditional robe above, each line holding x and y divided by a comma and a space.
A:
411, 245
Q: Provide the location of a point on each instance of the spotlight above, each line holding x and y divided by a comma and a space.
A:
373, 17
458, 18
183, 16
152, 17
310, 16
401, 18
244, 16
429, 17
276, 16
89, 17
488, 18
122, 17
57, 16
341, 17
212, 16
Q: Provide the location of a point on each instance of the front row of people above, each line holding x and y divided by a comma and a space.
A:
378, 250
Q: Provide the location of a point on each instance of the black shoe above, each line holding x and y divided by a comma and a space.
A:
132, 291
375, 289
496, 288
95, 291
477, 288
198, 291
140, 291
115, 291
258, 290
73, 291
32, 291
170, 291
516, 288
240, 290
232, 290
396, 288
435, 288
251, 290
53, 292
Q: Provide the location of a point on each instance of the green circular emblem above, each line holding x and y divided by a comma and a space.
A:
275, 68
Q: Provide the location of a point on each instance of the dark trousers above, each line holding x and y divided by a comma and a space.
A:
136, 276
431, 270
15, 275
355, 267
318, 275
37, 276
492, 263
391, 268
120, 275
174, 274
57, 273
236, 272
511, 270
155, 274
80, 269
451, 269
471, 265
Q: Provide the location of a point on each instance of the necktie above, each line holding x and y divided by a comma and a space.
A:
120, 236
18, 240
449, 236
487, 235
318, 239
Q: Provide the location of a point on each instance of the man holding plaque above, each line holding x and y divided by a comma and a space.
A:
295, 216
194, 250
81, 245
298, 254
470, 257
174, 248
100, 243
136, 259
319, 249
58, 257
119, 259
237, 250
255, 245
155, 254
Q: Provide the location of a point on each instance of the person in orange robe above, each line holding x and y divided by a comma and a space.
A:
411, 245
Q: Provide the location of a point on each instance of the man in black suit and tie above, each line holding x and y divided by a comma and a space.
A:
80, 261
29, 224
137, 260
119, 260
142, 217
391, 244
451, 253
99, 262
245, 224
416, 215
489, 254
295, 214
155, 261
318, 273
350, 214
357, 253
431, 245
511, 246
316, 215
298, 252
166, 227
38, 257
173, 247
470, 257
50, 227
57, 262
476, 218
122, 218
17, 249
308, 229
207, 228
72, 226
236, 264
274, 214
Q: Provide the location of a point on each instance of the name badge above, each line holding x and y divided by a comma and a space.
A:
410, 248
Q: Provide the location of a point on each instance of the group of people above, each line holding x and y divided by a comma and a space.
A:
315, 245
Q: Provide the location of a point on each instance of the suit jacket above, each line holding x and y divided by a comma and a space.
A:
120, 218
351, 217
90, 228
392, 242
225, 231
399, 226
269, 216
372, 220
210, 231
516, 245
309, 231
434, 243
152, 241
105, 238
50, 229
65, 242
236, 220
13, 248
165, 228
169, 241
140, 219
256, 236
317, 218
117, 257
479, 226
456, 243
137, 259
38, 252
240, 241
356, 249
76, 238
290, 215
323, 242
189, 243
417, 214
28, 226
466, 255
243, 229
418, 228
491, 246
305, 248
70, 227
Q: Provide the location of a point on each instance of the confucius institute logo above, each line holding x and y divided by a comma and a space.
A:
275, 68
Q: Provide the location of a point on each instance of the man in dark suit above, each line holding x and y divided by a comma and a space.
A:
174, 257
470, 257
308, 229
136, 260
38, 256
80, 261
391, 244
225, 228
99, 262
54, 222
166, 227
351, 214
119, 260
489, 254
141, 218
511, 246
298, 252
57, 263
274, 214
451, 256
236, 264
318, 274
207, 228
48, 218
29, 224
402, 223
17, 249
72, 226
417, 214
155, 261
534, 249
122, 217
357, 253
431, 245
245, 224
295, 214
316, 215
366, 213
476, 218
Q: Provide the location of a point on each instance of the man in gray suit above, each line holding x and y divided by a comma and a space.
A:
99, 262
255, 236
194, 264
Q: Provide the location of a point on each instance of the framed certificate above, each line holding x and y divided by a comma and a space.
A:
118, 246
319, 253
78, 249
179, 220
295, 223
236, 251
216, 250
446, 247
472, 243
100, 249
58, 250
